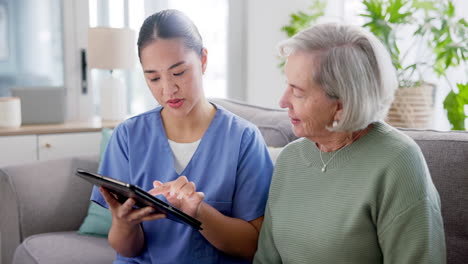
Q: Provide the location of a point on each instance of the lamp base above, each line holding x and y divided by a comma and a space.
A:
113, 99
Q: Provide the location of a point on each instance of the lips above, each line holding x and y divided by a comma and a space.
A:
294, 121
175, 103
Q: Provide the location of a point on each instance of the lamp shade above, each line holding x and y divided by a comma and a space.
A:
111, 48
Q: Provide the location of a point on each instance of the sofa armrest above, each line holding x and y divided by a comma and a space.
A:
42, 197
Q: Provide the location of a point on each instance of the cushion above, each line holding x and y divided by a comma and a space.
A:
63, 247
99, 219
274, 153
97, 222
274, 124
106, 134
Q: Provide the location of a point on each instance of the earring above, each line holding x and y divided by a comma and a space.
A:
335, 123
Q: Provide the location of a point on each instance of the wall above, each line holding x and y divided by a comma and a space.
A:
265, 81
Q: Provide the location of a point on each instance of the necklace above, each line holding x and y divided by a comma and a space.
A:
324, 167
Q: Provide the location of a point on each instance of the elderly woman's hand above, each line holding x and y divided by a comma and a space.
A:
180, 193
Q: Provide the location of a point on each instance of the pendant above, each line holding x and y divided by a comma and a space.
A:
324, 168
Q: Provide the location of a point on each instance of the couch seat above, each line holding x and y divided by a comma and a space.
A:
64, 247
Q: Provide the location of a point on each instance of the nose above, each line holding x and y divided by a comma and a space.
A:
169, 87
284, 101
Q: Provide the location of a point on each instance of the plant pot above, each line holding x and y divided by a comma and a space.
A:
413, 107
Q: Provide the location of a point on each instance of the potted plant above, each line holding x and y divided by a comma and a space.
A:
301, 20
439, 42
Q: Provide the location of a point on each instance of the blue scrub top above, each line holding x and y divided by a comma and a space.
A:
231, 166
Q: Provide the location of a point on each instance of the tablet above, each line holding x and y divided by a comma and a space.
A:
123, 191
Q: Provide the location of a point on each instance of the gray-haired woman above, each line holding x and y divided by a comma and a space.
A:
352, 189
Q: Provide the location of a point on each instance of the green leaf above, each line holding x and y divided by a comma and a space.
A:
455, 103
463, 91
463, 22
424, 5
450, 9
301, 19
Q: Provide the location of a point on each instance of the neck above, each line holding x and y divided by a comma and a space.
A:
190, 127
337, 140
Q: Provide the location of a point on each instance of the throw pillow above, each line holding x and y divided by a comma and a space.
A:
99, 219
274, 153
97, 222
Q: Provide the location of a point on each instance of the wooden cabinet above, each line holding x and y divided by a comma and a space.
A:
27, 148
56, 146
46, 142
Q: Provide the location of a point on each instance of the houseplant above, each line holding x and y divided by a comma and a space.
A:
301, 20
438, 43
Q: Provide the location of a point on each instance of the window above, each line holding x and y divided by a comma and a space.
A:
210, 16
33, 51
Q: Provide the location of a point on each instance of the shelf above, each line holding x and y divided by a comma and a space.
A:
68, 127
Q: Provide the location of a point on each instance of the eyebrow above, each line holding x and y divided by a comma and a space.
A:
295, 86
170, 68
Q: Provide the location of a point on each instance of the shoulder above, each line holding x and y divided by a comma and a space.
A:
235, 123
139, 126
144, 120
393, 144
293, 155
403, 175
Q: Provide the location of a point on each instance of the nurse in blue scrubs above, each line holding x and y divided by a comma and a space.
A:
194, 154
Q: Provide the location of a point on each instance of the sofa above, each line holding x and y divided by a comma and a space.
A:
43, 203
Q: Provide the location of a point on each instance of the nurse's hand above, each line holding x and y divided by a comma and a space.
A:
180, 193
124, 215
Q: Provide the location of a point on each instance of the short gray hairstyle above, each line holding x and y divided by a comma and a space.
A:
353, 66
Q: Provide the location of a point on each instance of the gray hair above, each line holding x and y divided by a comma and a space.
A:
353, 66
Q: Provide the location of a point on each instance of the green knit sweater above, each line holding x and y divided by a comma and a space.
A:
375, 203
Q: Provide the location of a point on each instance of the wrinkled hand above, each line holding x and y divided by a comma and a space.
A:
180, 193
124, 214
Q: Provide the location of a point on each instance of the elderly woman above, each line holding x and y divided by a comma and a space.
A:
352, 189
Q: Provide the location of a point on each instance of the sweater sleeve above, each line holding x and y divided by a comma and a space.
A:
266, 251
410, 226
415, 236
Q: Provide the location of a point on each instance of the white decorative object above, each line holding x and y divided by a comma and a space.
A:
111, 49
10, 112
113, 99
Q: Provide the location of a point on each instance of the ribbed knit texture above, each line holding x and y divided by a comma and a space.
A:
375, 203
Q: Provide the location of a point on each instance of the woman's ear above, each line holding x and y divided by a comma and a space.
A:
339, 110
204, 59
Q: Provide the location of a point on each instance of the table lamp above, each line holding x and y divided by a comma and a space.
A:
111, 49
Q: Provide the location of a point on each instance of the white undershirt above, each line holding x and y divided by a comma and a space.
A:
183, 153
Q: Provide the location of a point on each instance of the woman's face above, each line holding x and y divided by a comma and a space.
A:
309, 107
174, 74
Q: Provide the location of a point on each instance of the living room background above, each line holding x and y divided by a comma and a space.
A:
46, 39
124, 13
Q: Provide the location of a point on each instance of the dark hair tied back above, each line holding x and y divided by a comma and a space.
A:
167, 24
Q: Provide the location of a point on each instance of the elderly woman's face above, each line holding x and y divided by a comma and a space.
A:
309, 108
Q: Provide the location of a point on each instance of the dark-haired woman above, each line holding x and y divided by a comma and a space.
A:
201, 158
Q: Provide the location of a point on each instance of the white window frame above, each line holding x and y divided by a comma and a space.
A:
75, 37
